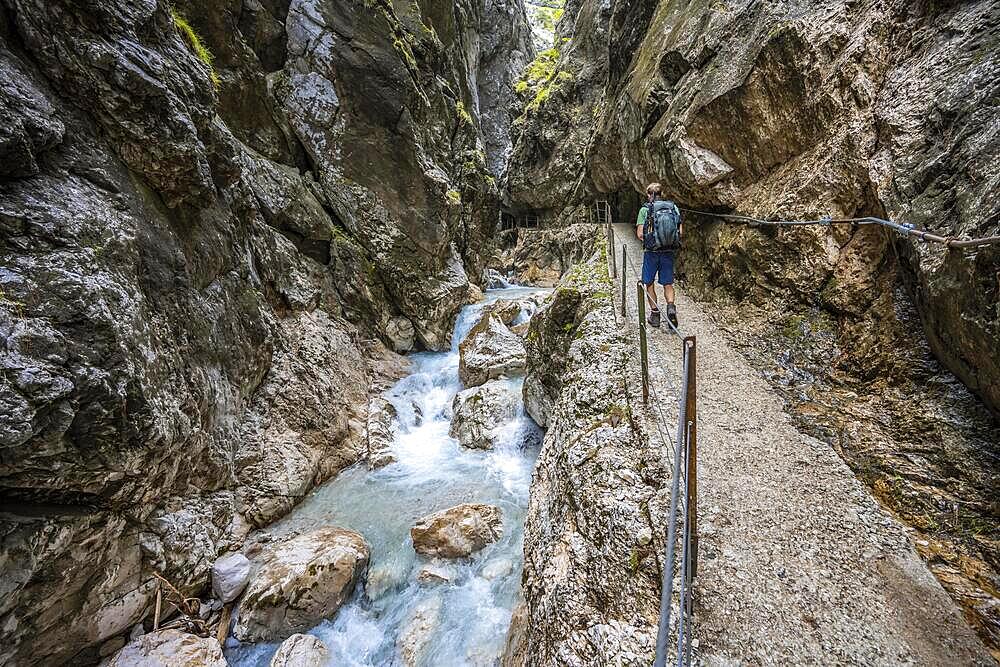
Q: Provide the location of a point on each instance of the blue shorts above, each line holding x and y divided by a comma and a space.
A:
658, 262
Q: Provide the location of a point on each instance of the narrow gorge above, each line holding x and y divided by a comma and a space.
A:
312, 353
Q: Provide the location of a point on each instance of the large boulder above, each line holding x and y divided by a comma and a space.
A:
230, 575
301, 651
490, 351
170, 648
479, 412
300, 582
458, 531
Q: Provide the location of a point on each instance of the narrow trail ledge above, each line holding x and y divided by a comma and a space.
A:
798, 562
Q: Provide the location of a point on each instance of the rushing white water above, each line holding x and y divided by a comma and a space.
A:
433, 472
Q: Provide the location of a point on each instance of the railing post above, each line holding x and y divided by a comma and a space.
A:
691, 351
624, 281
611, 251
643, 360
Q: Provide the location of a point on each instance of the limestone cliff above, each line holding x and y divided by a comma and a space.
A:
213, 217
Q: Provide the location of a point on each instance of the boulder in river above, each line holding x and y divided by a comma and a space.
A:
490, 351
436, 572
230, 575
458, 531
506, 310
301, 651
416, 634
477, 414
493, 279
381, 431
169, 648
300, 582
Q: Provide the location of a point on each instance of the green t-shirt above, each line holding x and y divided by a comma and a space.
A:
643, 212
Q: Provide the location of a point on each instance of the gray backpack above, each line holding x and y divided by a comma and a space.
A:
661, 230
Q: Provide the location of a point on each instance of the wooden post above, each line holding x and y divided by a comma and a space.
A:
643, 360
691, 351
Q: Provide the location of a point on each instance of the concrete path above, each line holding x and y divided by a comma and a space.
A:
798, 563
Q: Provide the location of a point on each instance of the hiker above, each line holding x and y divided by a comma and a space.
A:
659, 228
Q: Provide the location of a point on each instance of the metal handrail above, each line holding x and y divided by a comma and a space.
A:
683, 500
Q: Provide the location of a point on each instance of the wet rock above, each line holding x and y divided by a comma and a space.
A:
458, 531
436, 572
111, 646
401, 334
230, 575
506, 310
479, 412
495, 569
381, 432
301, 651
493, 279
170, 648
416, 633
548, 341
490, 351
300, 582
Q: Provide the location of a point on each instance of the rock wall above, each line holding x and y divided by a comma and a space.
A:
543, 256
795, 110
598, 495
199, 259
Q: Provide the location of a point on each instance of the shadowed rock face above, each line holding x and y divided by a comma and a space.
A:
196, 279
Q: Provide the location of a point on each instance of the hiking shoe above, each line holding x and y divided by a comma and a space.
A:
672, 314
654, 317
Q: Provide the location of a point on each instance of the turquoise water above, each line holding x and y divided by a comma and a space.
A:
432, 472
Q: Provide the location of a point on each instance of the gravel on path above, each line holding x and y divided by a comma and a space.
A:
798, 563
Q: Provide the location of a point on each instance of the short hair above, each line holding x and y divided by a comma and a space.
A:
654, 189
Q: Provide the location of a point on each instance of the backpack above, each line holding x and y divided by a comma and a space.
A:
661, 231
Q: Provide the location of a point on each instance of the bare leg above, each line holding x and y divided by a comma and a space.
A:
651, 291
668, 293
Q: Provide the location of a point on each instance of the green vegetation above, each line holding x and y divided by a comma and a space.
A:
633, 561
547, 17
463, 113
454, 197
541, 78
196, 45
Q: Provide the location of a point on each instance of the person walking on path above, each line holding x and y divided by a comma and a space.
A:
659, 228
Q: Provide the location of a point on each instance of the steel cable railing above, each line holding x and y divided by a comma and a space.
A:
905, 229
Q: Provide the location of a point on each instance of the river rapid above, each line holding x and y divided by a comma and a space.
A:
470, 613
